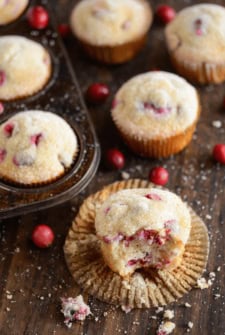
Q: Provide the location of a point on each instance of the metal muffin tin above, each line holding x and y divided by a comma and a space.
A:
63, 97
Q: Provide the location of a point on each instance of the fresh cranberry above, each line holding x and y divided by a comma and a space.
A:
42, 236
63, 29
97, 93
115, 159
1, 108
159, 175
38, 17
165, 13
219, 153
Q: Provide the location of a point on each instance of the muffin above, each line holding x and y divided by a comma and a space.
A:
11, 10
156, 113
36, 147
142, 228
111, 31
196, 43
25, 67
149, 230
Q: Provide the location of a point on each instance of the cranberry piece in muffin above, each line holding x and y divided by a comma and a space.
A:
156, 113
142, 228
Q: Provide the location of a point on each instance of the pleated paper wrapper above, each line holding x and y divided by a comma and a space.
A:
145, 288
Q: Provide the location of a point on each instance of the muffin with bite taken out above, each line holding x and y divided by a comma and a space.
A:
142, 228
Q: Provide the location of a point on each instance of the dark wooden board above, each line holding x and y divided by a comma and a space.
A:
33, 280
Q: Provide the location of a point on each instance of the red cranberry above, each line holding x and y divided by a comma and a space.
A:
42, 236
115, 159
159, 175
97, 93
63, 29
165, 13
38, 17
219, 153
1, 108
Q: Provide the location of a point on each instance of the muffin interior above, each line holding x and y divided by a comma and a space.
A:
142, 228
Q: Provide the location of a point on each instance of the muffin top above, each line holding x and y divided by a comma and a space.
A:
155, 105
198, 33
36, 147
127, 212
10, 10
110, 22
25, 67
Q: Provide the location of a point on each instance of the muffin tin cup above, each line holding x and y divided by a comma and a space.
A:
146, 287
62, 96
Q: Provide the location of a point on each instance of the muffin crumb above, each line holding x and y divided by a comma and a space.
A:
168, 314
74, 309
166, 328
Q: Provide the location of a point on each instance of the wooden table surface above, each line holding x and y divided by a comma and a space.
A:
33, 280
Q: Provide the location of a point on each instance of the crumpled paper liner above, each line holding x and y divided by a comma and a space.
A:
146, 287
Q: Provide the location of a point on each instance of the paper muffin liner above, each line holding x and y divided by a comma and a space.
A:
114, 54
157, 148
146, 287
202, 73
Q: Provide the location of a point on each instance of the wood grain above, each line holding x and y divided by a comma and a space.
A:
33, 280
